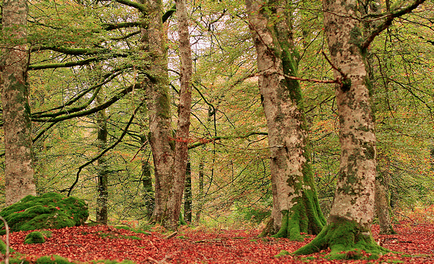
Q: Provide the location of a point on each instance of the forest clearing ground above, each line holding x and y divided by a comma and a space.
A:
197, 245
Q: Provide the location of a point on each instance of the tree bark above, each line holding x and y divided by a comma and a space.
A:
169, 154
188, 195
382, 200
201, 195
19, 173
102, 185
184, 110
295, 204
352, 212
156, 82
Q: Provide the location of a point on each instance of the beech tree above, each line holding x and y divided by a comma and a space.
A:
15, 101
169, 149
352, 212
295, 203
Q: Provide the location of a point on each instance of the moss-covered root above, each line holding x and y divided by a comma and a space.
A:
346, 239
290, 227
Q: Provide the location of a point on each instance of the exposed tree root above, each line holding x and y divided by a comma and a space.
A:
346, 239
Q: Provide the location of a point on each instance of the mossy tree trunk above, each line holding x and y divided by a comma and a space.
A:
155, 81
170, 153
382, 202
295, 204
19, 173
352, 212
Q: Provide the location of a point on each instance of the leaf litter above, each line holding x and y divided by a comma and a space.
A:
84, 244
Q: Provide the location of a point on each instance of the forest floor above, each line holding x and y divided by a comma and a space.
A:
82, 244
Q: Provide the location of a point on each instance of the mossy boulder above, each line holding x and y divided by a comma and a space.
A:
34, 238
48, 211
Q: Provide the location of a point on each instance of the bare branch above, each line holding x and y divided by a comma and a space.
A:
389, 19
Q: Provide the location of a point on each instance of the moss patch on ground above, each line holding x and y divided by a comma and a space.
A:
34, 238
48, 211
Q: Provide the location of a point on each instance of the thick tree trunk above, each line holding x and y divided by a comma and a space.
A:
169, 154
184, 109
352, 212
295, 203
19, 174
102, 185
157, 88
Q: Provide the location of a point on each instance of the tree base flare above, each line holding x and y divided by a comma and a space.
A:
346, 239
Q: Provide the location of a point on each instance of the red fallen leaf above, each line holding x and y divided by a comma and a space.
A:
57, 207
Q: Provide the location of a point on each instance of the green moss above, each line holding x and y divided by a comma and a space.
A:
113, 235
135, 230
3, 248
18, 261
34, 238
282, 253
55, 259
346, 239
48, 211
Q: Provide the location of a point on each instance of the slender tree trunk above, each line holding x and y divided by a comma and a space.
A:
157, 88
295, 204
102, 186
184, 110
200, 197
19, 174
148, 196
382, 200
188, 195
352, 212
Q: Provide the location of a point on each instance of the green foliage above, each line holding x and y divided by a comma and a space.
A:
48, 211
34, 238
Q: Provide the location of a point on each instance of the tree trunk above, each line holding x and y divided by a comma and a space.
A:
148, 196
157, 88
382, 201
188, 195
352, 212
19, 174
295, 204
169, 154
184, 110
201, 194
102, 187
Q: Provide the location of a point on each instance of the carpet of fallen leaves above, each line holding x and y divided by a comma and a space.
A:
85, 243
